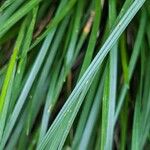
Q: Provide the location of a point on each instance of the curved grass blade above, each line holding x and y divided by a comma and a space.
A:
11, 66
65, 126
113, 63
132, 63
75, 32
4, 113
22, 60
93, 116
96, 14
17, 131
105, 106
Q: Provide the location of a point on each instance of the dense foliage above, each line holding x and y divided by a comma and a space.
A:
74, 74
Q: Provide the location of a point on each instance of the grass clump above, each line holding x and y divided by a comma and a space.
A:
74, 74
